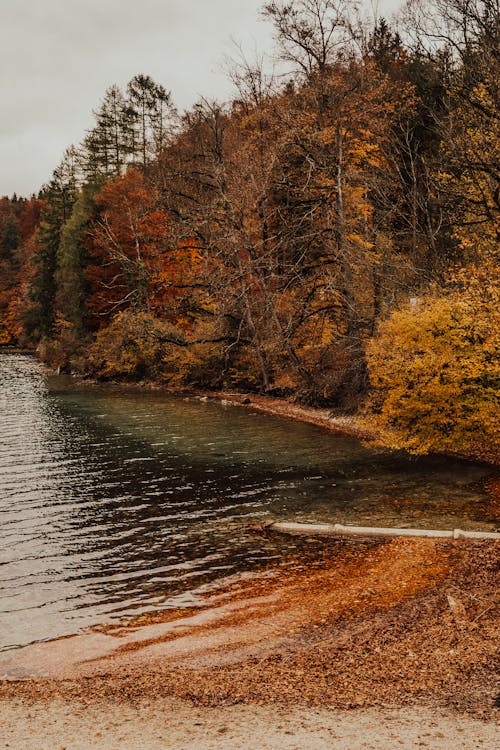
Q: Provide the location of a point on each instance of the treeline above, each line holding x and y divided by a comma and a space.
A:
328, 229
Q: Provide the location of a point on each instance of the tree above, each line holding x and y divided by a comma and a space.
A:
129, 242
58, 199
107, 146
434, 370
133, 345
72, 261
311, 34
131, 129
10, 235
153, 112
467, 174
18, 223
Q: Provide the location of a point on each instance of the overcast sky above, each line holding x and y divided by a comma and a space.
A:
57, 58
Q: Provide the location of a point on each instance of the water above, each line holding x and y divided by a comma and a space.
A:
115, 502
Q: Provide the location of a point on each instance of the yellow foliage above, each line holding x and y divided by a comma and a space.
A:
10, 319
359, 240
200, 362
133, 345
435, 373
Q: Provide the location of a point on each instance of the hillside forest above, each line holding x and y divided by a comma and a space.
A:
330, 235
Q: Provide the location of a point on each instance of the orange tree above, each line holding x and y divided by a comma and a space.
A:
129, 247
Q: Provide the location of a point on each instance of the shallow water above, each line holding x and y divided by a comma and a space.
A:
115, 501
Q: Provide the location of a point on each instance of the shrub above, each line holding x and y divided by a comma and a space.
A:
435, 372
134, 345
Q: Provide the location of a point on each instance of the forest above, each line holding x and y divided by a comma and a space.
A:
330, 235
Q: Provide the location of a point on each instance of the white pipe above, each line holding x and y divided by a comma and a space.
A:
328, 529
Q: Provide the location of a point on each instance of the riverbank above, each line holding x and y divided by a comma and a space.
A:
288, 409
403, 629
282, 407
356, 425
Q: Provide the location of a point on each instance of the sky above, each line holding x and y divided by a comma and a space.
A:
58, 57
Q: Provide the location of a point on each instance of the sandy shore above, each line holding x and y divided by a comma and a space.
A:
157, 725
375, 645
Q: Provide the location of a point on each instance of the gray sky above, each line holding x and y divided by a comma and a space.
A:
57, 58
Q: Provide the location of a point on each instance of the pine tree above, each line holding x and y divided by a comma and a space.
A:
10, 236
106, 146
152, 110
58, 197
72, 259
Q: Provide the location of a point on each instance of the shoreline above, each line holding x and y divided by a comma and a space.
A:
381, 618
177, 725
283, 407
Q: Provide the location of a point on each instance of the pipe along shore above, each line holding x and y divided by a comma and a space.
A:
338, 529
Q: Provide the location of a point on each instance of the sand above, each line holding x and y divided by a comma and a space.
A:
157, 725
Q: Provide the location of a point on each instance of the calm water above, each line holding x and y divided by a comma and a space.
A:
115, 502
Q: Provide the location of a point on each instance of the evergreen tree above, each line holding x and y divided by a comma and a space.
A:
10, 236
106, 146
151, 111
58, 197
72, 261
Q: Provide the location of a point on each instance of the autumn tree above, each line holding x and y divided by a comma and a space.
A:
10, 261
410, 206
134, 345
470, 175
434, 370
335, 126
466, 173
311, 34
128, 246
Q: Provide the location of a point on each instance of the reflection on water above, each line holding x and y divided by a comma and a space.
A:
115, 502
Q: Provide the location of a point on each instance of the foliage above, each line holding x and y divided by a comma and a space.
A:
435, 371
134, 345
128, 246
18, 223
469, 177
72, 260
201, 362
58, 199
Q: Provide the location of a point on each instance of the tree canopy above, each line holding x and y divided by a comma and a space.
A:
273, 242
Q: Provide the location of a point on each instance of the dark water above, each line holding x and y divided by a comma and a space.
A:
115, 502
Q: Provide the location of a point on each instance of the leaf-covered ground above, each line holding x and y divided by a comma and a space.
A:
393, 624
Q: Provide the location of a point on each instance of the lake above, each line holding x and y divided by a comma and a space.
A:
116, 501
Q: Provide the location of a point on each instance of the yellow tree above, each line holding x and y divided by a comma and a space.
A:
471, 177
435, 370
